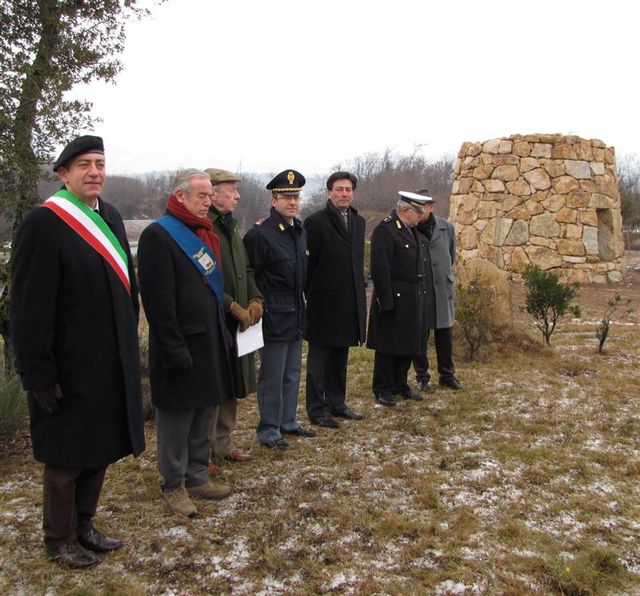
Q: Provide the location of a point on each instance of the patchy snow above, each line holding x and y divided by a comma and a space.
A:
450, 587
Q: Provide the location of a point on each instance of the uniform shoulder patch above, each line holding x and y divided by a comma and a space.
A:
259, 222
387, 219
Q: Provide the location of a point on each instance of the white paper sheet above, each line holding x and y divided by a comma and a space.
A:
250, 340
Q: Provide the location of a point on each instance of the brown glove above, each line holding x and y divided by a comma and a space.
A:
48, 399
255, 309
242, 314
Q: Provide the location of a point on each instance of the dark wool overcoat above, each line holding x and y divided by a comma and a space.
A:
439, 280
75, 325
335, 288
239, 286
397, 318
278, 254
188, 351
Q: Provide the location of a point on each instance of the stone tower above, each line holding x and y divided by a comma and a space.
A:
546, 200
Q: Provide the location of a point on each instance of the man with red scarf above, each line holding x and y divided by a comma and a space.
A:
182, 294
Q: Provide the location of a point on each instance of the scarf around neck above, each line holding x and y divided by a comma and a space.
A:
201, 226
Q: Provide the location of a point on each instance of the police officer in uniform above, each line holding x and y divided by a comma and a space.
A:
277, 250
397, 318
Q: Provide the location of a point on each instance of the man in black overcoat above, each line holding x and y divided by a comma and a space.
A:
336, 301
397, 318
189, 365
74, 315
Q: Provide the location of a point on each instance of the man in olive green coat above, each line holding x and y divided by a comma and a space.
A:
243, 305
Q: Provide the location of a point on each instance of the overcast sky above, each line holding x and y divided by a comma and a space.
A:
263, 86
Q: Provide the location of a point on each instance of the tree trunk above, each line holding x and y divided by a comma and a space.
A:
25, 162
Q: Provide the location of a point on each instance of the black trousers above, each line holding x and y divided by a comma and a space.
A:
70, 500
443, 339
326, 380
390, 373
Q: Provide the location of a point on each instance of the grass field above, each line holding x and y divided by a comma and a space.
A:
525, 482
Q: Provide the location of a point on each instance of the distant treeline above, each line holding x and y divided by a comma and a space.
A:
380, 176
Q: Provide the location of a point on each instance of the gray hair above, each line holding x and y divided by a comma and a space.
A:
182, 181
402, 205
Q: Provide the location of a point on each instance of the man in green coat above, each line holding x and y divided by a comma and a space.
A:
243, 305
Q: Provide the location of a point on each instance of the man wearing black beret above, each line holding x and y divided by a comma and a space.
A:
74, 316
277, 249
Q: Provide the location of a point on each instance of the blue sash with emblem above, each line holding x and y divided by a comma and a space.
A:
201, 257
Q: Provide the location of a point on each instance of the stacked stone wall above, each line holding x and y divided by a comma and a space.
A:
546, 200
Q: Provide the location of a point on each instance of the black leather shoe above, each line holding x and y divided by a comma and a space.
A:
451, 383
325, 421
386, 399
277, 444
348, 413
98, 542
300, 432
423, 386
412, 395
74, 556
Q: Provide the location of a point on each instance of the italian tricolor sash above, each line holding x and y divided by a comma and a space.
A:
92, 229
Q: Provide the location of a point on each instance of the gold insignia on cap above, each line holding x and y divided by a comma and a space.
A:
291, 177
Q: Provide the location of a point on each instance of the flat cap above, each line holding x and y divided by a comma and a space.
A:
415, 200
287, 182
80, 145
217, 176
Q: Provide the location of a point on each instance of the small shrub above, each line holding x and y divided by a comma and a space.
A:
602, 333
13, 405
548, 299
473, 315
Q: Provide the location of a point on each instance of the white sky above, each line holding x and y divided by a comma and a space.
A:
267, 85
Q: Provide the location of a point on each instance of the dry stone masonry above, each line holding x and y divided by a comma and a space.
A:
546, 200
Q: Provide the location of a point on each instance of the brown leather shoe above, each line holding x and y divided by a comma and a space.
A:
214, 469
238, 456
98, 542
73, 555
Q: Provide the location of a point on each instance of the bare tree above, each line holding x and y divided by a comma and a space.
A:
629, 179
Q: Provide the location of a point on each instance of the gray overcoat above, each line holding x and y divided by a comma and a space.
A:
441, 254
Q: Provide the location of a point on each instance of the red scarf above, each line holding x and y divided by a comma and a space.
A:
202, 226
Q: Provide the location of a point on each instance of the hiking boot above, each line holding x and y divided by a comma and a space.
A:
209, 490
179, 502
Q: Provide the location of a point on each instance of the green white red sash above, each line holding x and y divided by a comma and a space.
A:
92, 229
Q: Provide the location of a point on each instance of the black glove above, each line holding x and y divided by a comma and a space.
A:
48, 399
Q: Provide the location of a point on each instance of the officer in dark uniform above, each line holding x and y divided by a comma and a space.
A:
277, 250
397, 319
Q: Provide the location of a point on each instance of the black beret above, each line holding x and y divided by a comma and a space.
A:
342, 176
287, 182
80, 145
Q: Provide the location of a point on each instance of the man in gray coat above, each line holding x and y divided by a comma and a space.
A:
439, 292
